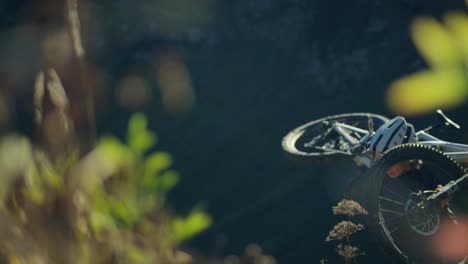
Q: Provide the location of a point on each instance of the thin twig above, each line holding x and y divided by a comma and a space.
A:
74, 27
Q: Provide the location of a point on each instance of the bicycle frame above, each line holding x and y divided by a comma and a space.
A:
457, 151
418, 209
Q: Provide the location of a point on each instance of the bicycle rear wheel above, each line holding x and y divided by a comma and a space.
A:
316, 140
398, 181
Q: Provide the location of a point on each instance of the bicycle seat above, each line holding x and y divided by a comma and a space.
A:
447, 122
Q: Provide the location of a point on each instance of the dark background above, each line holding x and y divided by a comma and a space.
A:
258, 68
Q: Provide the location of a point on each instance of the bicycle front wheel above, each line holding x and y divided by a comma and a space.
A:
316, 140
401, 180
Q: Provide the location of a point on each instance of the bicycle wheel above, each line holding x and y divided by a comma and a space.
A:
397, 179
316, 140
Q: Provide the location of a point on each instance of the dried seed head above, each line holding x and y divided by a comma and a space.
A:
349, 208
348, 252
343, 230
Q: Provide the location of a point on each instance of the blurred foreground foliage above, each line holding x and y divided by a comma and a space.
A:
107, 207
445, 84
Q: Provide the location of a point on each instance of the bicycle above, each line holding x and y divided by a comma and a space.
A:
415, 185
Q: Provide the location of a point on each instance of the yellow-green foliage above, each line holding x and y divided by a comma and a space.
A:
107, 207
445, 84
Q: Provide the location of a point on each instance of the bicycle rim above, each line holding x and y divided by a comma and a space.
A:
409, 233
316, 141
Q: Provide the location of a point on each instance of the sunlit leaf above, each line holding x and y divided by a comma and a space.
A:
100, 200
153, 165
113, 154
426, 91
13, 259
457, 22
185, 228
15, 159
47, 171
65, 162
52, 178
168, 180
137, 123
136, 255
34, 186
147, 203
157, 161
138, 137
124, 208
435, 42
100, 221
142, 142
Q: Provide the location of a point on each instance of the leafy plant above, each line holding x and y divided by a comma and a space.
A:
107, 207
445, 84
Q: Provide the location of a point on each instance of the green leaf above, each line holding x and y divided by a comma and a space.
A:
457, 23
66, 162
185, 228
435, 43
34, 185
147, 203
168, 180
139, 138
113, 154
157, 162
101, 221
15, 159
153, 165
124, 208
48, 173
427, 91
113, 150
136, 255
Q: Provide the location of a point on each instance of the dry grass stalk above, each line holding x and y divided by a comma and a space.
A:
39, 90
56, 91
75, 27
88, 94
344, 229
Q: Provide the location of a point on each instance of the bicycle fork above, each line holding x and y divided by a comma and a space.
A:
441, 197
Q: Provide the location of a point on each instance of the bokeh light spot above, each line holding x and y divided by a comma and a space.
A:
57, 48
175, 17
133, 92
451, 241
175, 83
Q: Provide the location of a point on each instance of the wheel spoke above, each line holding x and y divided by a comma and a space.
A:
430, 225
390, 200
408, 226
390, 211
397, 217
395, 229
420, 224
394, 193
427, 227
